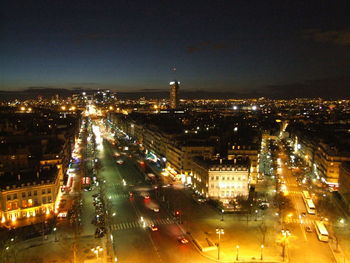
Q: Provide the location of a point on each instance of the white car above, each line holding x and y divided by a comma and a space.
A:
156, 210
120, 162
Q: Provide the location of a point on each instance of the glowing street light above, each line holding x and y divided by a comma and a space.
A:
286, 234
237, 252
219, 231
262, 252
96, 250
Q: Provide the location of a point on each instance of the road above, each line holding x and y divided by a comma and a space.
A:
303, 246
132, 241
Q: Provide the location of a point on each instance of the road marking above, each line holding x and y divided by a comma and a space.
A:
138, 224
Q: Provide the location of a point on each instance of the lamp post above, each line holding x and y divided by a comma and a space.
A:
222, 215
285, 234
96, 250
237, 252
262, 252
219, 231
55, 232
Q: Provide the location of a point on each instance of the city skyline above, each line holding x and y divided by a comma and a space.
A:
249, 49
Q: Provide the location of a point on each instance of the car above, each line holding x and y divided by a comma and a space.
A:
182, 240
147, 197
131, 194
156, 209
120, 161
153, 228
308, 229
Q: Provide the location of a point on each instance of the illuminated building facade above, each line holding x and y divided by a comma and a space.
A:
174, 89
246, 151
328, 160
221, 179
28, 194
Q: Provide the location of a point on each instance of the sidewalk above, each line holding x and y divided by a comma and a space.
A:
248, 238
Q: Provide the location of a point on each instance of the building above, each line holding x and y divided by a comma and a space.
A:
221, 179
344, 184
174, 89
28, 194
328, 159
251, 152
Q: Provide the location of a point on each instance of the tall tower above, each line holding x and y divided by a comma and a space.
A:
174, 89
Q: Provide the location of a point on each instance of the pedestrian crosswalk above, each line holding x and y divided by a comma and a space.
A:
118, 195
298, 221
140, 224
294, 192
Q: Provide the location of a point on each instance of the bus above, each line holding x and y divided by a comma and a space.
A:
321, 231
310, 207
306, 195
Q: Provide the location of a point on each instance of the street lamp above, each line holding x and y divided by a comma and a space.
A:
219, 231
237, 251
55, 231
286, 234
96, 250
222, 214
262, 252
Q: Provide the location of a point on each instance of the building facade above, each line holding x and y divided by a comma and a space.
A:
29, 194
174, 90
221, 179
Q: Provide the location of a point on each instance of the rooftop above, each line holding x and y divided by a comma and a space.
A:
45, 175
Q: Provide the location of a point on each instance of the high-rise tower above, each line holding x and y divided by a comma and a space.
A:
174, 89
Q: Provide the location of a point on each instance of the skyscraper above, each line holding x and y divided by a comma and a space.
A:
174, 88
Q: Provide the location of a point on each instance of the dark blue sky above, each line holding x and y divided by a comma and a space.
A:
262, 47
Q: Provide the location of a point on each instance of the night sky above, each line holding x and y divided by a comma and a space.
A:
298, 48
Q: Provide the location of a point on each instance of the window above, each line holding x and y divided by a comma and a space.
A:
49, 190
217, 177
35, 193
49, 199
14, 196
44, 200
36, 201
8, 197
43, 192
29, 193
23, 194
